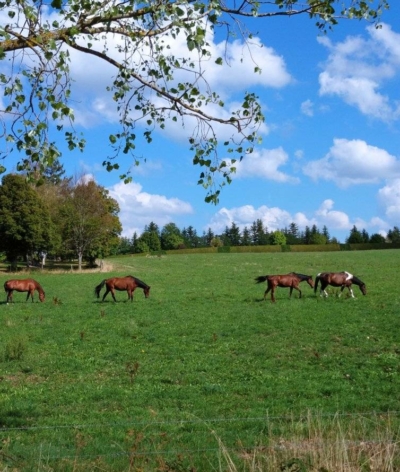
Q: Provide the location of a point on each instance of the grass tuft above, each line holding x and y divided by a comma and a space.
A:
15, 349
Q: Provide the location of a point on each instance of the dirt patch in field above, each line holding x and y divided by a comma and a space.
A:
103, 266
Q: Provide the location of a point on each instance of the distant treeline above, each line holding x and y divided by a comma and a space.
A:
170, 237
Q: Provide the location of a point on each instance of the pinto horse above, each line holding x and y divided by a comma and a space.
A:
128, 283
338, 279
291, 280
23, 285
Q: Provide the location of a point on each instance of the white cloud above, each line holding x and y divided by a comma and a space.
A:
138, 208
352, 162
389, 199
307, 108
332, 218
273, 218
359, 92
85, 179
357, 69
264, 165
242, 60
388, 40
94, 104
276, 218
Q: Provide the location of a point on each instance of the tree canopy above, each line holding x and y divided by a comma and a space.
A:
151, 85
90, 225
25, 223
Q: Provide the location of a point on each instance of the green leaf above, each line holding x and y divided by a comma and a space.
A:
56, 4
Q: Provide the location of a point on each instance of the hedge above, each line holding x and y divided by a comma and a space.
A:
287, 248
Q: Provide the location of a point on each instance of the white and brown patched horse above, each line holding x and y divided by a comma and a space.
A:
338, 279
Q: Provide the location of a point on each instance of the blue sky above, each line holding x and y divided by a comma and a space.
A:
331, 140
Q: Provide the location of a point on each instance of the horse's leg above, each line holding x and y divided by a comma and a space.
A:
29, 294
9, 295
273, 294
273, 287
297, 288
113, 294
105, 294
290, 291
266, 292
132, 293
129, 291
323, 291
351, 292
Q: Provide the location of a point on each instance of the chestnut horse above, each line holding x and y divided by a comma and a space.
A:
338, 279
128, 283
291, 280
23, 285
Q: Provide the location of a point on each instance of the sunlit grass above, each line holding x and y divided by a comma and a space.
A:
204, 373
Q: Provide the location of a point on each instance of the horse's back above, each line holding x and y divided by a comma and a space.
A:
336, 278
121, 283
20, 284
286, 280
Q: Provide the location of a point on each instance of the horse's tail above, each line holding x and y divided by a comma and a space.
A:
97, 289
316, 283
261, 278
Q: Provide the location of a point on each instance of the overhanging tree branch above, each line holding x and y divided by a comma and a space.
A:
37, 90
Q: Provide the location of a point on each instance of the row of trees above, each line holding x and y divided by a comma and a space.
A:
154, 239
78, 219
61, 217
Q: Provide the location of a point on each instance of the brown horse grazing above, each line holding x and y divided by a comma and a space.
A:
338, 279
291, 280
23, 285
128, 283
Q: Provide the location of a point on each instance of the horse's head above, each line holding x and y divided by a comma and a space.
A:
146, 291
360, 283
310, 282
42, 296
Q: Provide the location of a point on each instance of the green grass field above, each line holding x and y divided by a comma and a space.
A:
205, 374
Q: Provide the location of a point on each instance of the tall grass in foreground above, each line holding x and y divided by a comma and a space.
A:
311, 443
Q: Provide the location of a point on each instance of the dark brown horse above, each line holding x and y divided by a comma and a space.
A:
128, 283
291, 280
23, 285
338, 279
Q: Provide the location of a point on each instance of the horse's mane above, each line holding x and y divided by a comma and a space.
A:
139, 282
38, 286
301, 276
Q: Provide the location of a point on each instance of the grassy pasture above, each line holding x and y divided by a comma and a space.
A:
205, 374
